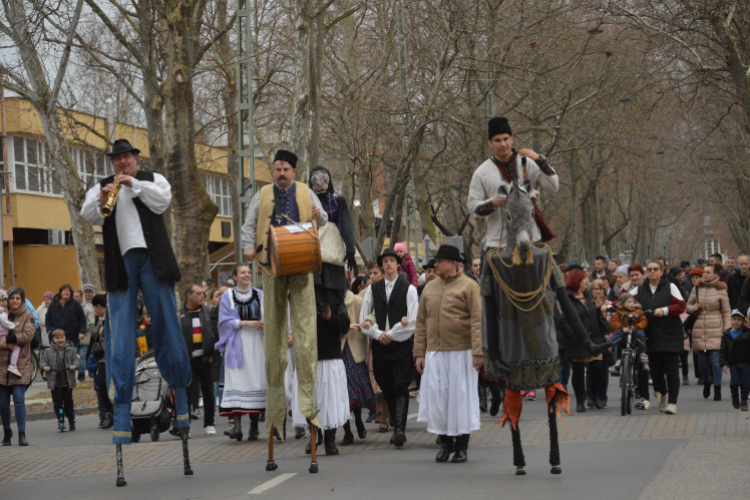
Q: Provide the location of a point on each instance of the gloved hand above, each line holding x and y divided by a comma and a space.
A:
597, 349
351, 262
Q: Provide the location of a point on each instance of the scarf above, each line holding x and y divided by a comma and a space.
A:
230, 340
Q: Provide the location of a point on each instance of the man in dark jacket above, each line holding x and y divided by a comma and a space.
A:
67, 315
737, 279
664, 335
200, 338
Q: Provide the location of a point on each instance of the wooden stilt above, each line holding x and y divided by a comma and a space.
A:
314, 450
271, 465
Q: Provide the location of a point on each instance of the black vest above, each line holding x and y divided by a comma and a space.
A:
664, 334
160, 251
393, 310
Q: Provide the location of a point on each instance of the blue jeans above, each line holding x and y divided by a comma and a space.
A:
740, 378
19, 400
709, 360
564, 369
119, 334
82, 354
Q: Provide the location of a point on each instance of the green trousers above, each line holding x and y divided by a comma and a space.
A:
301, 303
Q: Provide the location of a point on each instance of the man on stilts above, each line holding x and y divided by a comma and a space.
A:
138, 255
394, 302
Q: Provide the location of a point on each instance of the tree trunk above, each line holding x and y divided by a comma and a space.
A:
317, 51
193, 209
63, 164
301, 100
733, 60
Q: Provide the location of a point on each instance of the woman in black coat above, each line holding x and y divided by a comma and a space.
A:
583, 302
66, 314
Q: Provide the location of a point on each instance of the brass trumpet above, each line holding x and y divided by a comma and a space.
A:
106, 210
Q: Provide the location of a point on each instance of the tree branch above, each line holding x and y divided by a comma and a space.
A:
65, 58
206, 46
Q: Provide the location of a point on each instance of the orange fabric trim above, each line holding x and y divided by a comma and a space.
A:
561, 398
512, 407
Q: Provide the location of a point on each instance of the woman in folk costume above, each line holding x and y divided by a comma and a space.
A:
241, 344
354, 349
519, 337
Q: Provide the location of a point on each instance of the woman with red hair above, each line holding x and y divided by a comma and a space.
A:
583, 302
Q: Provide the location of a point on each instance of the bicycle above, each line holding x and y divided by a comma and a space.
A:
629, 370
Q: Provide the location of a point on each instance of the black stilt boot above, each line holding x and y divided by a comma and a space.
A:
554, 447
462, 446
254, 432
361, 431
446, 448
402, 409
482, 397
329, 441
497, 398
348, 436
318, 440
7, 435
236, 431
518, 459
22, 438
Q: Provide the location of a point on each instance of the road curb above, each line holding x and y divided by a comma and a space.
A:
50, 415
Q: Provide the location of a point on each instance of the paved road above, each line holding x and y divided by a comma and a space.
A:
700, 453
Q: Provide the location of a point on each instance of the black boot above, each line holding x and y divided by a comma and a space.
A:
254, 432
299, 432
497, 399
581, 407
402, 408
462, 445
108, 421
330, 442
348, 436
236, 431
706, 391
22, 438
371, 416
735, 397
7, 435
717, 393
318, 440
482, 398
361, 431
446, 448
391, 403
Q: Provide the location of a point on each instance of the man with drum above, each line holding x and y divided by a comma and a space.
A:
283, 203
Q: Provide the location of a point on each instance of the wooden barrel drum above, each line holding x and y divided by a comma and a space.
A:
294, 252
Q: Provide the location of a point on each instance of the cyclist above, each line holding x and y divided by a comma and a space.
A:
621, 324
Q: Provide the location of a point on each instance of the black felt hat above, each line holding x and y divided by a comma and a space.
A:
430, 263
122, 146
449, 252
386, 253
498, 125
287, 156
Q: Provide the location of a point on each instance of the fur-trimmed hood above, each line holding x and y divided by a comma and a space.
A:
718, 284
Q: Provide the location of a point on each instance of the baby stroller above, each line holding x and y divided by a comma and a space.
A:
152, 407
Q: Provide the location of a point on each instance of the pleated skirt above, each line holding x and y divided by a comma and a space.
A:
331, 396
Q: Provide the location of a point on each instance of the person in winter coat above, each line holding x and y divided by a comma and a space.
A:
41, 313
83, 344
583, 302
407, 265
734, 354
664, 335
61, 361
710, 301
621, 323
67, 315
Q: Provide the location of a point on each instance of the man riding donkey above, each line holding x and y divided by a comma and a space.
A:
520, 282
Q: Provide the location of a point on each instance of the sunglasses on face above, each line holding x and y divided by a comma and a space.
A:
653, 269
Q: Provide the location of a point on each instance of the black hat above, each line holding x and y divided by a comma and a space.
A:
685, 263
430, 263
498, 125
122, 146
449, 252
675, 271
388, 252
287, 156
701, 261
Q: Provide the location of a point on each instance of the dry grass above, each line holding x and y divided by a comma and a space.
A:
83, 397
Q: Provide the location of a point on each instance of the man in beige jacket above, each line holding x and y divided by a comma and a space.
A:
448, 352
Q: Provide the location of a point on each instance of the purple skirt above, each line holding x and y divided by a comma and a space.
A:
358, 383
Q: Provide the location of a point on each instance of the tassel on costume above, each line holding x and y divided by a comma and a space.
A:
530, 254
511, 408
561, 399
516, 257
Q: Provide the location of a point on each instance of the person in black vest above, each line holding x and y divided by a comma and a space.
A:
138, 254
664, 336
394, 302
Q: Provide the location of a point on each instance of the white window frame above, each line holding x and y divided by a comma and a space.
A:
217, 187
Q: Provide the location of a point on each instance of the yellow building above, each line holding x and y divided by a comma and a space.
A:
43, 255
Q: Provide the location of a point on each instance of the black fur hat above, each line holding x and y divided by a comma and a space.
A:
287, 156
498, 125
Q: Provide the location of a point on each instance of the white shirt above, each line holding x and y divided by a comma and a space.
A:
155, 195
398, 333
484, 186
251, 220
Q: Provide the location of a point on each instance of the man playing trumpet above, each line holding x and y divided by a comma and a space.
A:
138, 254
